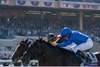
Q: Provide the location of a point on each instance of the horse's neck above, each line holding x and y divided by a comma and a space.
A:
58, 49
53, 55
52, 49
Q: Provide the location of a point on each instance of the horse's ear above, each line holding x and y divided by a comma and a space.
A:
26, 40
40, 38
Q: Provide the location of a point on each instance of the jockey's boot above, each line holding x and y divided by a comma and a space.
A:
84, 57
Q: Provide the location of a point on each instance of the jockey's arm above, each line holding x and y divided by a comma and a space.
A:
55, 42
63, 44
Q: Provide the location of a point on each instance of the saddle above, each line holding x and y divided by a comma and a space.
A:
87, 58
93, 58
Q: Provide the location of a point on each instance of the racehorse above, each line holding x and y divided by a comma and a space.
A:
48, 55
20, 50
22, 47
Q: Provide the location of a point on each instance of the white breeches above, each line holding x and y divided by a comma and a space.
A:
82, 47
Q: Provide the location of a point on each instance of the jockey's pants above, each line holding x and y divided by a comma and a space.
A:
82, 47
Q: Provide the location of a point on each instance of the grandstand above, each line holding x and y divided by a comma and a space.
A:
20, 19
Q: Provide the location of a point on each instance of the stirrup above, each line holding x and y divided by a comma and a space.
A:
83, 60
87, 61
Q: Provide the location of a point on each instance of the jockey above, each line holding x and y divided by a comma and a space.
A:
51, 37
75, 41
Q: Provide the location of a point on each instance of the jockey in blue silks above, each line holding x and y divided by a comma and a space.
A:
75, 41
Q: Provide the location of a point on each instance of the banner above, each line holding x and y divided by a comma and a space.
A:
95, 6
42, 3
47, 3
82, 5
36, 3
70, 5
21, 2
61, 4
76, 5
86, 6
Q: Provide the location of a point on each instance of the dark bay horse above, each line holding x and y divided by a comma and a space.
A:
22, 47
48, 55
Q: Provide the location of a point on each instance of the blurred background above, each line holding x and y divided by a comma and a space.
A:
21, 19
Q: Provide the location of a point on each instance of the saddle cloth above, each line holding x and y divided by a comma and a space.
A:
93, 58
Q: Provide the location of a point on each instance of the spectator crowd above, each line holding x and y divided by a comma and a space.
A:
35, 26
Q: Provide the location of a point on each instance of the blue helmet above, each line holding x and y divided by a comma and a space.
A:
65, 31
51, 35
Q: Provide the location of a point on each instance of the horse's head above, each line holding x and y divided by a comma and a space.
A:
20, 49
35, 51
